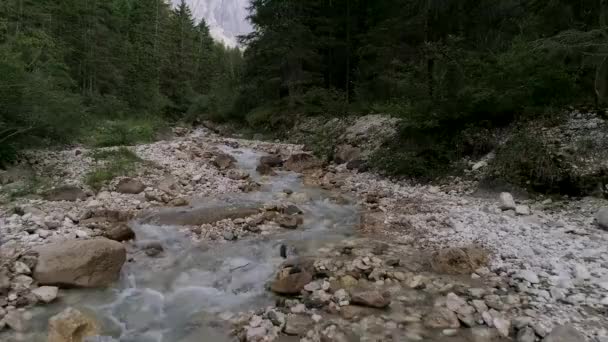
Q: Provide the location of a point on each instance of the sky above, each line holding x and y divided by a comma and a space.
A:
226, 18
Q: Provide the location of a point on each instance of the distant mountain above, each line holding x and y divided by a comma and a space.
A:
226, 18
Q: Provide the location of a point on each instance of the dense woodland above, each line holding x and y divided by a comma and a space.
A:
453, 70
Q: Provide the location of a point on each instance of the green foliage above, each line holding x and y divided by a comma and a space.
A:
124, 132
111, 164
526, 161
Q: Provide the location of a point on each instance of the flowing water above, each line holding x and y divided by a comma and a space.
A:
179, 296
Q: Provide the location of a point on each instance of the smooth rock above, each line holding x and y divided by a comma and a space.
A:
88, 263
120, 232
46, 294
290, 283
506, 201
21, 268
298, 324
71, 325
602, 218
522, 210
526, 335
369, 298
528, 275
441, 318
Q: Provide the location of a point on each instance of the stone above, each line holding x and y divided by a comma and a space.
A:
300, 162
522, 210
289, 221
68, 193
271, 161
71, 325
120, 232
179, 202
46, 294
581, 272
564, 333
506, 201
463, 260
441, 318
265, 170
358, 165
348, 281
370, 298
502, 324
5, 282
455, 303
223, 161
526, 335
528, 275
235, 174
89, 263
22, 282
277, 318
297, 325
130, 186
292, 210
21, 268
229, 236
290, 281
602, 218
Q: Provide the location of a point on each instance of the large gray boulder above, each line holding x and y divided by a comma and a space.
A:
76, 263
602, 218
69, 193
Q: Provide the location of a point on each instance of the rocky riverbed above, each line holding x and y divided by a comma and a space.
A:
259, 241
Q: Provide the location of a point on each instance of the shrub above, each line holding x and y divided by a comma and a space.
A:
125, 132
111, 164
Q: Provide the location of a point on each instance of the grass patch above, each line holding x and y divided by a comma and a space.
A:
30, 184
125, 132
111, 164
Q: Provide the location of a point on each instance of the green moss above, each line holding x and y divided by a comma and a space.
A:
111, 164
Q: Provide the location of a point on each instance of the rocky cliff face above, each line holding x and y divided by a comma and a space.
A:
226, 18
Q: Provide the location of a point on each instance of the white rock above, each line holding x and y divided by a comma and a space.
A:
479, 165
454, 303
529, 276
94, 204
602, 218
506, 201
21, 268
502, 325
522, 210
581, 272
46, 294
299, 308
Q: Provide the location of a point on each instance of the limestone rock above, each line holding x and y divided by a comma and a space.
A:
46, 294
223, 161
88, 263
71, 325
602, 218
237, 174
346, 153
119, 232
506, 201
271, 161
289, 221
290, 281
370, 298
298, 324
130, 186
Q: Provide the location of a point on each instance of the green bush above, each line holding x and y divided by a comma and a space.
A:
525, 160
111, 164
125, 132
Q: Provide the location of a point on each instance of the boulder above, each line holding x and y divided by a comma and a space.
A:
271, 161
506, 201
265, 170
46, 294
71, 325
369, 298
357, 164
346, 153
80, 263
291, 280
223, 161
69, 193
130, 186
237, 174
119, 232
459, 260
602, 218
298, 324
289, 221
300, 162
